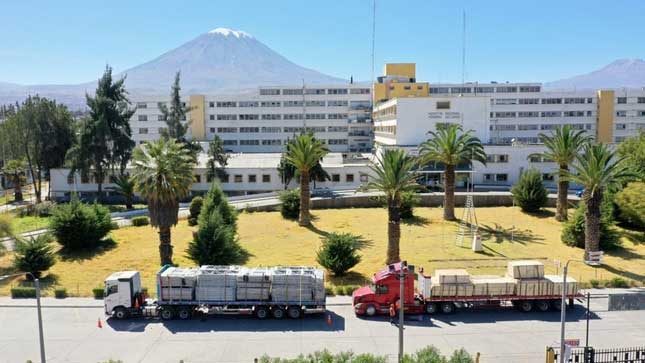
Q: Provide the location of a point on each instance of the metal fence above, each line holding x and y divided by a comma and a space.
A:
592, 355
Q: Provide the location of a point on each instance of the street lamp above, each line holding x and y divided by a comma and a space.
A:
40, 317
403, 265
563, 307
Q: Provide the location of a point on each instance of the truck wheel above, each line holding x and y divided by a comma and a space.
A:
448, 307
431, 308
167, 313
261, 312
277, 312
542, 305
370, 310
556, 305
185, 313
525, 306
120, 313
294, 312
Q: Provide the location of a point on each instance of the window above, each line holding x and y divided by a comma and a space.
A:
292, 91
407, 88
443, 105
315, 129
548, 177
225, 178
502, 158
197, 178
250, 142
271, 104
621, 100
641, 113
621, 113
248, 104
380, 289
269, 92
528, 127
509, 89
252, 178
336, 116
292, 129
505, 127
249, 117
315, 116
528, 114
337, 129
574, 113
226, 117
337, 103
227, 130
548, 127
230, 142
315, 91
292, 116
360, 91
337, 142
484, 89
266, 178
143, 117
161, 118
440, 90
552, 114
337, 91
506, 101
501, 177
142, 105
505, 114
576, 100
211, 117
529, 101
249, 129
70, 178
160, 104
112, 289
497, 158
271, 129
335, 178
143, 131
621, 126
211, 104
535, 159
551, 101
237, 178
529, 88
226, 104
349, 178
272, 142
271, 116
292, 103
640, 99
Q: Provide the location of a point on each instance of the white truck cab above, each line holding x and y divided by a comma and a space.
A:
121, 289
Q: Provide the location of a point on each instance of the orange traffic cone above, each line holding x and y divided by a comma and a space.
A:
100, 325
329, 322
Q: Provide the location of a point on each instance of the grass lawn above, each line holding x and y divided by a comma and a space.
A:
427, 241
28, 223
6, 199
121, 208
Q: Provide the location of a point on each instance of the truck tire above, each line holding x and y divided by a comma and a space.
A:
261, 312
185, 312
525, 306
294, 312
556, 304
370, 310
120, 313
167, 313
431, 308
542, 305
448, 307
278, 312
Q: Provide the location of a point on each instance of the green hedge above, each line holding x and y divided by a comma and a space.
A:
140, 221
60, 293
98, 292
23, 292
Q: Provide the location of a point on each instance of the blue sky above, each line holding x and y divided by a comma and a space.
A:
71, 41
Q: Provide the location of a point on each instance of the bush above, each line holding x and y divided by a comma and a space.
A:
98, 292
339, 252
618, 282
34, 255
140, 221
529, 192
329, 291
573, 232
595, 283
44, 209
339, 290
5, 226
429, 354
409, 200
631, 204
349, 289
195, 208
60, 293
290, 207
23, 292
325, 356
216, 200
460, 356
80, 226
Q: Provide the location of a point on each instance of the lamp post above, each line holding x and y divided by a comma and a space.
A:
563, 307
40, 318
403, 265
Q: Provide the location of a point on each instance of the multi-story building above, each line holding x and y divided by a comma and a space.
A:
262, 121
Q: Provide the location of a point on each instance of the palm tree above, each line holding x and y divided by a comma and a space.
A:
393, 175
451, 146
163, 175
304, 152
598, 170
563, 146
125, 187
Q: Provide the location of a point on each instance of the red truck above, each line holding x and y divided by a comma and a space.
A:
375, 299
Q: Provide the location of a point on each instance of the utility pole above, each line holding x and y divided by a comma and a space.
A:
402, 270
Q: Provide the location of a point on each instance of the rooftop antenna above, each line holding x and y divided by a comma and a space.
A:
304, 109
373, 36
463, 54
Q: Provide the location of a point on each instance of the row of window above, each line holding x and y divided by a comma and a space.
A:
276, 129
276, 142
512, 114
486, 89
623, 100
313, 91
528, 127
501, 178
292, 103
236, 178
639, 113
277, 116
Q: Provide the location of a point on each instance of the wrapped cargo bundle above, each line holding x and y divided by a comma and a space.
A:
290, 284
177, 293
557, 284
493, 286
457, 276
217, 283
177, 283
253, 284
533, 287
451, 289
525, 270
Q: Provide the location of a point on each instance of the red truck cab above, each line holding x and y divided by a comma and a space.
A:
384, 290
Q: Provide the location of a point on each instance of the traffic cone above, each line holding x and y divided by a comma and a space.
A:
329, 322
100, 325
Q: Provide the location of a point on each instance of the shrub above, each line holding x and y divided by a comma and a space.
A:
631, 204
529, 192
290, 207
573, 232
98, 292
34, 255
140, 221
44, 209
5, 226
329, 291
77, 226
409, 200
216, 200
349, 289
339, 290
325, 356
60, 293
339, 252
460, 356
195, 208
23, 292
618, 282
429, 354
595, 283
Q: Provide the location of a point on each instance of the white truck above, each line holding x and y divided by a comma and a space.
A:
264, 292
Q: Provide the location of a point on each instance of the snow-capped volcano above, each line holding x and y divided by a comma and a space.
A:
219, 61
628, 73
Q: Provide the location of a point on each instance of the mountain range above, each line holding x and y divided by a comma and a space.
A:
232, 61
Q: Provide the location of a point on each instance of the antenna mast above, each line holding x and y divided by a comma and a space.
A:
304, 109
373, 36
463, 52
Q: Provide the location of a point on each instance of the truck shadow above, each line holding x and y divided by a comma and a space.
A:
483, 315
317, 322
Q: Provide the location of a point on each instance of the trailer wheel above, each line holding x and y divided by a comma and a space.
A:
448, 307
556, 304
185, 313
431, 308
120, 313
167, 313
277, 312
542, 305
370, 310
525, 306
261, 312
294, 312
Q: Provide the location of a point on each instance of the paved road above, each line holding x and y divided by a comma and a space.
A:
501, 336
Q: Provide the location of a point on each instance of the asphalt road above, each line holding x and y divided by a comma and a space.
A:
72, 334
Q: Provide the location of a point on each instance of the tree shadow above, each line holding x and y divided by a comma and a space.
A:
637, 276
498, 234
317, 231
416, 221
350, 278
634, 236
104, 246
542, 214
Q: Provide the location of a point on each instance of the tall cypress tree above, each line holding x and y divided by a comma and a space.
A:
176, 120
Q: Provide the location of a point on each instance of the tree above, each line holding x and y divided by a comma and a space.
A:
15, 170
304, 152
393, 175
162, 175
105, 140
176, 120
34, 255
573, 230
339, 252
195, 209
633, 150
597, 170
286, 170
217, 159
529, 193
125, 188
451, 146
77, 225
631, 204
290, 204
562, 147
